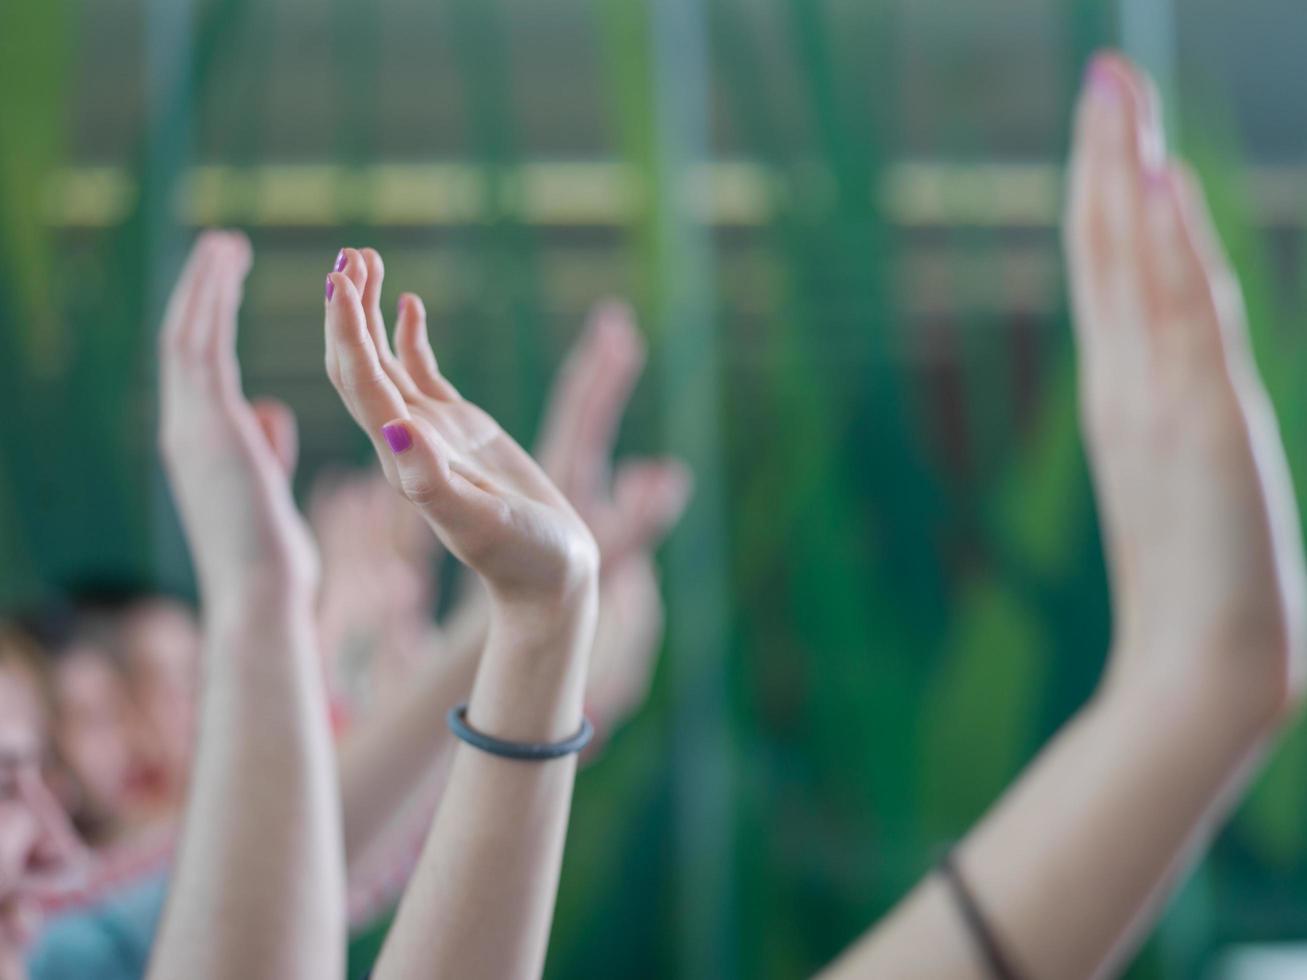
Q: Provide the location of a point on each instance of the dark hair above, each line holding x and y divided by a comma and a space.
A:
88, 612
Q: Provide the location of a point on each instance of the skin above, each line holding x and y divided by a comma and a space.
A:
35, 838
162, 646
1204, 553
481, 900
402, 748
99, 740
258, 886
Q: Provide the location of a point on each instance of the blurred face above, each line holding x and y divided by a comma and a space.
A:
96, 732
162, 645
34, 836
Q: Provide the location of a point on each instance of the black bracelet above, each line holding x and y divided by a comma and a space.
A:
998, 962
527, 751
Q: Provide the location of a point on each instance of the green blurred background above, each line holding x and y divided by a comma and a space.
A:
837, 220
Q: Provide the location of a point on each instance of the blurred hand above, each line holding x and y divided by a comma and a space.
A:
377, 577
630, 513
628, 635
229, 462
1201, 529
482, 494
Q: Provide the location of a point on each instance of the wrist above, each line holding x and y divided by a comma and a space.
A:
537, 628
530, 685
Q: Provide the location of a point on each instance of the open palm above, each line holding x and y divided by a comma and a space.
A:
484, 496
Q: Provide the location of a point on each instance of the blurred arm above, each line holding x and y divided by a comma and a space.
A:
1071, 866
258, 887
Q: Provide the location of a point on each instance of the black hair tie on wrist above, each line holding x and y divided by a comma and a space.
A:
525, 751
998, 962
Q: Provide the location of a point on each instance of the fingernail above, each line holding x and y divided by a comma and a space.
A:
340, 261
1102, 81
397, 438
331, 288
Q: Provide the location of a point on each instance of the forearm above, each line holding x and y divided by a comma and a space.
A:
1073, 862
482, 898
258, 889
403, 744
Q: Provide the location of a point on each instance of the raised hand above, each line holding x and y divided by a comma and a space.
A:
229, 461
1206, 564
1201, 530
631, 511
628, 512
259, 892
482, 494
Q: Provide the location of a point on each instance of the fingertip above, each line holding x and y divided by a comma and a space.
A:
613, 323
397, 436
376, 274
355, 268
339, 284
412, 305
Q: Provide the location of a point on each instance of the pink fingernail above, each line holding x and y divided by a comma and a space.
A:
1102, 81
397, 437
340, 261
331, 288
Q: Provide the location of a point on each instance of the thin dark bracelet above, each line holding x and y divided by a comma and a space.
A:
527, 751
998, 962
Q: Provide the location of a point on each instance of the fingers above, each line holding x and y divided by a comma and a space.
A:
461, 512
281, 430
371, 289
354, 365
178, 318
589, 398
415, 352
1117, 140
234, 266
200, 321
648, 499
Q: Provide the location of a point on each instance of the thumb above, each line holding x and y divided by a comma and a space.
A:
280, 429
460, 511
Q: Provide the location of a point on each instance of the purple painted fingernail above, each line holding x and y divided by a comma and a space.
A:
331, 288
340, 261
397, 437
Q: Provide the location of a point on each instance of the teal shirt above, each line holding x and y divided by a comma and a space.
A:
108, 941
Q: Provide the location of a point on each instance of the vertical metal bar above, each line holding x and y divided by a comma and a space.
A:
696, 556
1148, 35
169, 63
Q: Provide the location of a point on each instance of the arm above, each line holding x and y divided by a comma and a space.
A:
1205, 558
482, 898
404, 744
258, 885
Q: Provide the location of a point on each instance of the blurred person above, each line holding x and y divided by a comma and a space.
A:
36, 840
123, 668
1066, 873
